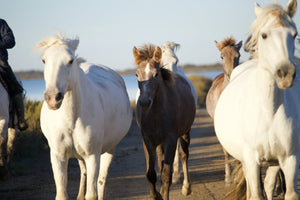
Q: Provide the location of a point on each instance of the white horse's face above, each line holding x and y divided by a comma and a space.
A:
276, 48
168, 61
58, 63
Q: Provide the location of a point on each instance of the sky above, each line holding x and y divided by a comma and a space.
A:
109, 29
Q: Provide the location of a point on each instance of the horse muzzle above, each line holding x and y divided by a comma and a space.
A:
54, 100
145, 102
285, 76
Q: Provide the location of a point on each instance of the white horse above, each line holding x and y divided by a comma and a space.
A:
264, 101
85, 114
8, 134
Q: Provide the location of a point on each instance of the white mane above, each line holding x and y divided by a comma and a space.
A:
274, 13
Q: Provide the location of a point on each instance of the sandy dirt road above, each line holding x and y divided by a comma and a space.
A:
127, 173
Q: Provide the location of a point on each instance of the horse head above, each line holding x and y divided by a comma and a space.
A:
60, 63
169, 60
149, 73
230, 54
273, 41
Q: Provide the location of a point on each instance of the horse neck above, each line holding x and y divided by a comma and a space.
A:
76, 92
270, 93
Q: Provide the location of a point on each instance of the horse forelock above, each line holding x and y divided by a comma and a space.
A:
274, 11
226, 42
145, 52
58, 40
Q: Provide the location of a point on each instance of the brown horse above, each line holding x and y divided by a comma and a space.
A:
165, 111
230, 56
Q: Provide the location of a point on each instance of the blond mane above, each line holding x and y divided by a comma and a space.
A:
274, 11
226, 42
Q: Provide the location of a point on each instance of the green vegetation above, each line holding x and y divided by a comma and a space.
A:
202, 85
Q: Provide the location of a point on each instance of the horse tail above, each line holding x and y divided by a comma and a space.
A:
238, 188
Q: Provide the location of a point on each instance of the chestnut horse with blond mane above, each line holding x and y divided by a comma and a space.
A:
165, 111
230, 56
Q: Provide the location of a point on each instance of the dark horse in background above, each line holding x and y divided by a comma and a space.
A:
165, 111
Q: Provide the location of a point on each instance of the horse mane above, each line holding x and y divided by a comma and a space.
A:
261, 20
58, 39
226, 42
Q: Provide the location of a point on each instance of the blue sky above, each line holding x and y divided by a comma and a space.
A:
108, 29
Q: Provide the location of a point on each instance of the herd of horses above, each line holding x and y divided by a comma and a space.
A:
255, 107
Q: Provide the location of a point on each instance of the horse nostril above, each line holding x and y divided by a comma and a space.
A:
281, 73
59, 96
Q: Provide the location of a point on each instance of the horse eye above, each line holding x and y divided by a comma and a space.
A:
264, 35
221, 57
70, 62
43, 60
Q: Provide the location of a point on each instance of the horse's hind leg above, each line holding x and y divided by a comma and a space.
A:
149, 150
270, 180
228, 180
82, 184
184, 155
176, 172
106, 159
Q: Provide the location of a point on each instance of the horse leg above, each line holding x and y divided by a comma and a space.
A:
160, 157
82, 184
149, 151
252, 173
228, 180
270, 180
106, 159
60, 167
290, 169
184, 155
166, 175
12, 133
176, 173
92, 168
4, 174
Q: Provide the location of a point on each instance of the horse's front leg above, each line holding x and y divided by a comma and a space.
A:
290, 168
106, 159
150, 156
166, 175
228, 180
60, 172
12, 133
4, 174
82, 184
92, 168
252, 174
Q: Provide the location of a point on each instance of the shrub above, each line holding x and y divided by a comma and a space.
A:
202, 85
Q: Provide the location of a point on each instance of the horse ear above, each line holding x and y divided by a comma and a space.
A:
291, 7
73, 43
136, 55
257, 9
157, 54
239, 45
218, 45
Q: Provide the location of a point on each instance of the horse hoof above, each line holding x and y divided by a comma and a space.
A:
186, 190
